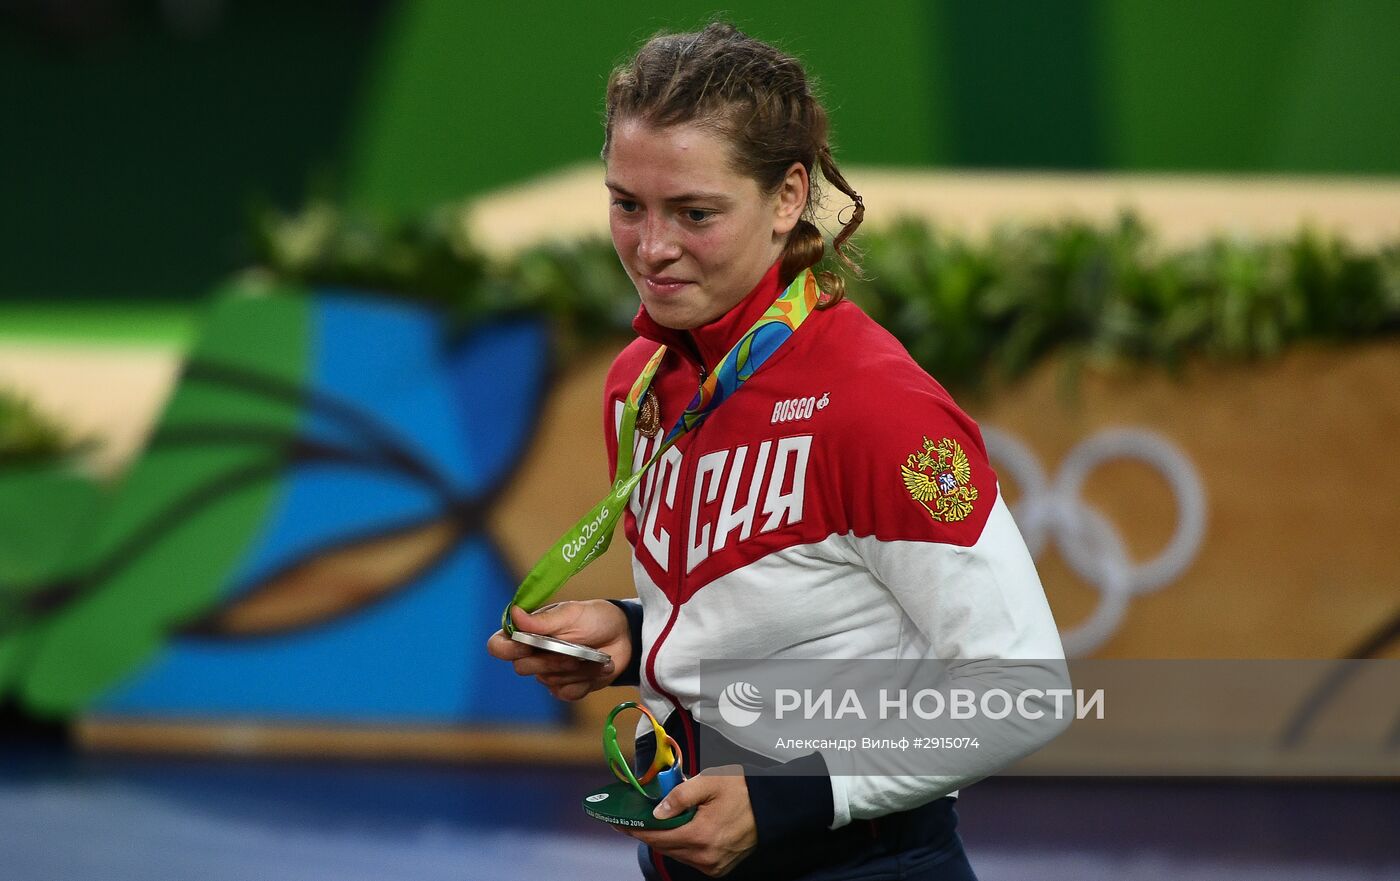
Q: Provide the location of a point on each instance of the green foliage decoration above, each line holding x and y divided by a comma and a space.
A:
28, 438
429, 260
46, 502
973, 312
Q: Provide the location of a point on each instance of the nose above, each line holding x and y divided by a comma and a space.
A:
659, 244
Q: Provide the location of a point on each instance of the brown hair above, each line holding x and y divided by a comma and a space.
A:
759, 98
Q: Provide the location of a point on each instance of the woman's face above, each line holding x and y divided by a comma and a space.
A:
694, 234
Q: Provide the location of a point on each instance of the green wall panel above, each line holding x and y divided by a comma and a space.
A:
1342, 111
1024, 83
133, 156
1253, 85
469, 96
188, 508
130, 157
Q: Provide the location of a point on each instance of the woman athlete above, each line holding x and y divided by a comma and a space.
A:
837, 505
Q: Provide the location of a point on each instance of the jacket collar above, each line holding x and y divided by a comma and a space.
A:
706, 345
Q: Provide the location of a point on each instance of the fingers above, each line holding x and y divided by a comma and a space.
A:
505, 648
544, 622
723, 831
589, 622
529, 661
690, 793
694, 850
566, 677
572, 692
552, 620
685, 796
533, 662
543, 663
523, 620
554, 664
558, 680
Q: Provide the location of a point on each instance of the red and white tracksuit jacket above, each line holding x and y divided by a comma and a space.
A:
783, 527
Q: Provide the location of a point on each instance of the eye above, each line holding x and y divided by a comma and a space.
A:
626, 206
698, 215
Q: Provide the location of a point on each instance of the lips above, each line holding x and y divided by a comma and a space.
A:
664, 285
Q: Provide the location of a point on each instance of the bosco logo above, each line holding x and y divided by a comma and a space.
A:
797, 408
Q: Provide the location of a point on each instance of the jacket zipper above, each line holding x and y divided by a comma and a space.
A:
677, 563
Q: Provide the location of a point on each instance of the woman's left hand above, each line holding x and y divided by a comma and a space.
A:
722, 832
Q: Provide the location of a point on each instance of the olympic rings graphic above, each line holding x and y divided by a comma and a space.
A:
1092, 546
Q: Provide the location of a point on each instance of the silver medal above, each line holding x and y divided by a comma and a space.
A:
550, 644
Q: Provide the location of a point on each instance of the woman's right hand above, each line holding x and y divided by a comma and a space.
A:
595, 623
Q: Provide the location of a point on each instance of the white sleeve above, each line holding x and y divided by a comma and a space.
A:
982, 609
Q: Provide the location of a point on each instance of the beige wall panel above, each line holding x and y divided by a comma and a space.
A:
1301, 557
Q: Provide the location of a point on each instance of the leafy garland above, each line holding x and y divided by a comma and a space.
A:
972, 313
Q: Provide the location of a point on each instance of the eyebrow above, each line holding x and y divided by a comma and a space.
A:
683, 198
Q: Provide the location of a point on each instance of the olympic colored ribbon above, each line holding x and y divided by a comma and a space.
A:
665, 771
590, 536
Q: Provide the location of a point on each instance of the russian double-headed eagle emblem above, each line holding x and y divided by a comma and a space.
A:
939, 477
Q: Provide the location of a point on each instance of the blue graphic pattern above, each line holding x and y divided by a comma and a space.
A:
416, 655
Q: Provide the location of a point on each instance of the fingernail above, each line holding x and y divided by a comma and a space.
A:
662, 811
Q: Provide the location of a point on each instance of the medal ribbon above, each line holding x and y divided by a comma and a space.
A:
591, 535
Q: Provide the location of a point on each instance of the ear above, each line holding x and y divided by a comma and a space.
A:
791, 199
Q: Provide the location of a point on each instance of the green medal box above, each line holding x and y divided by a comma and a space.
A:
630, 801
621, 805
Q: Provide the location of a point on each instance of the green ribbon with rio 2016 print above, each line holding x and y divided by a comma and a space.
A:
591, 535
